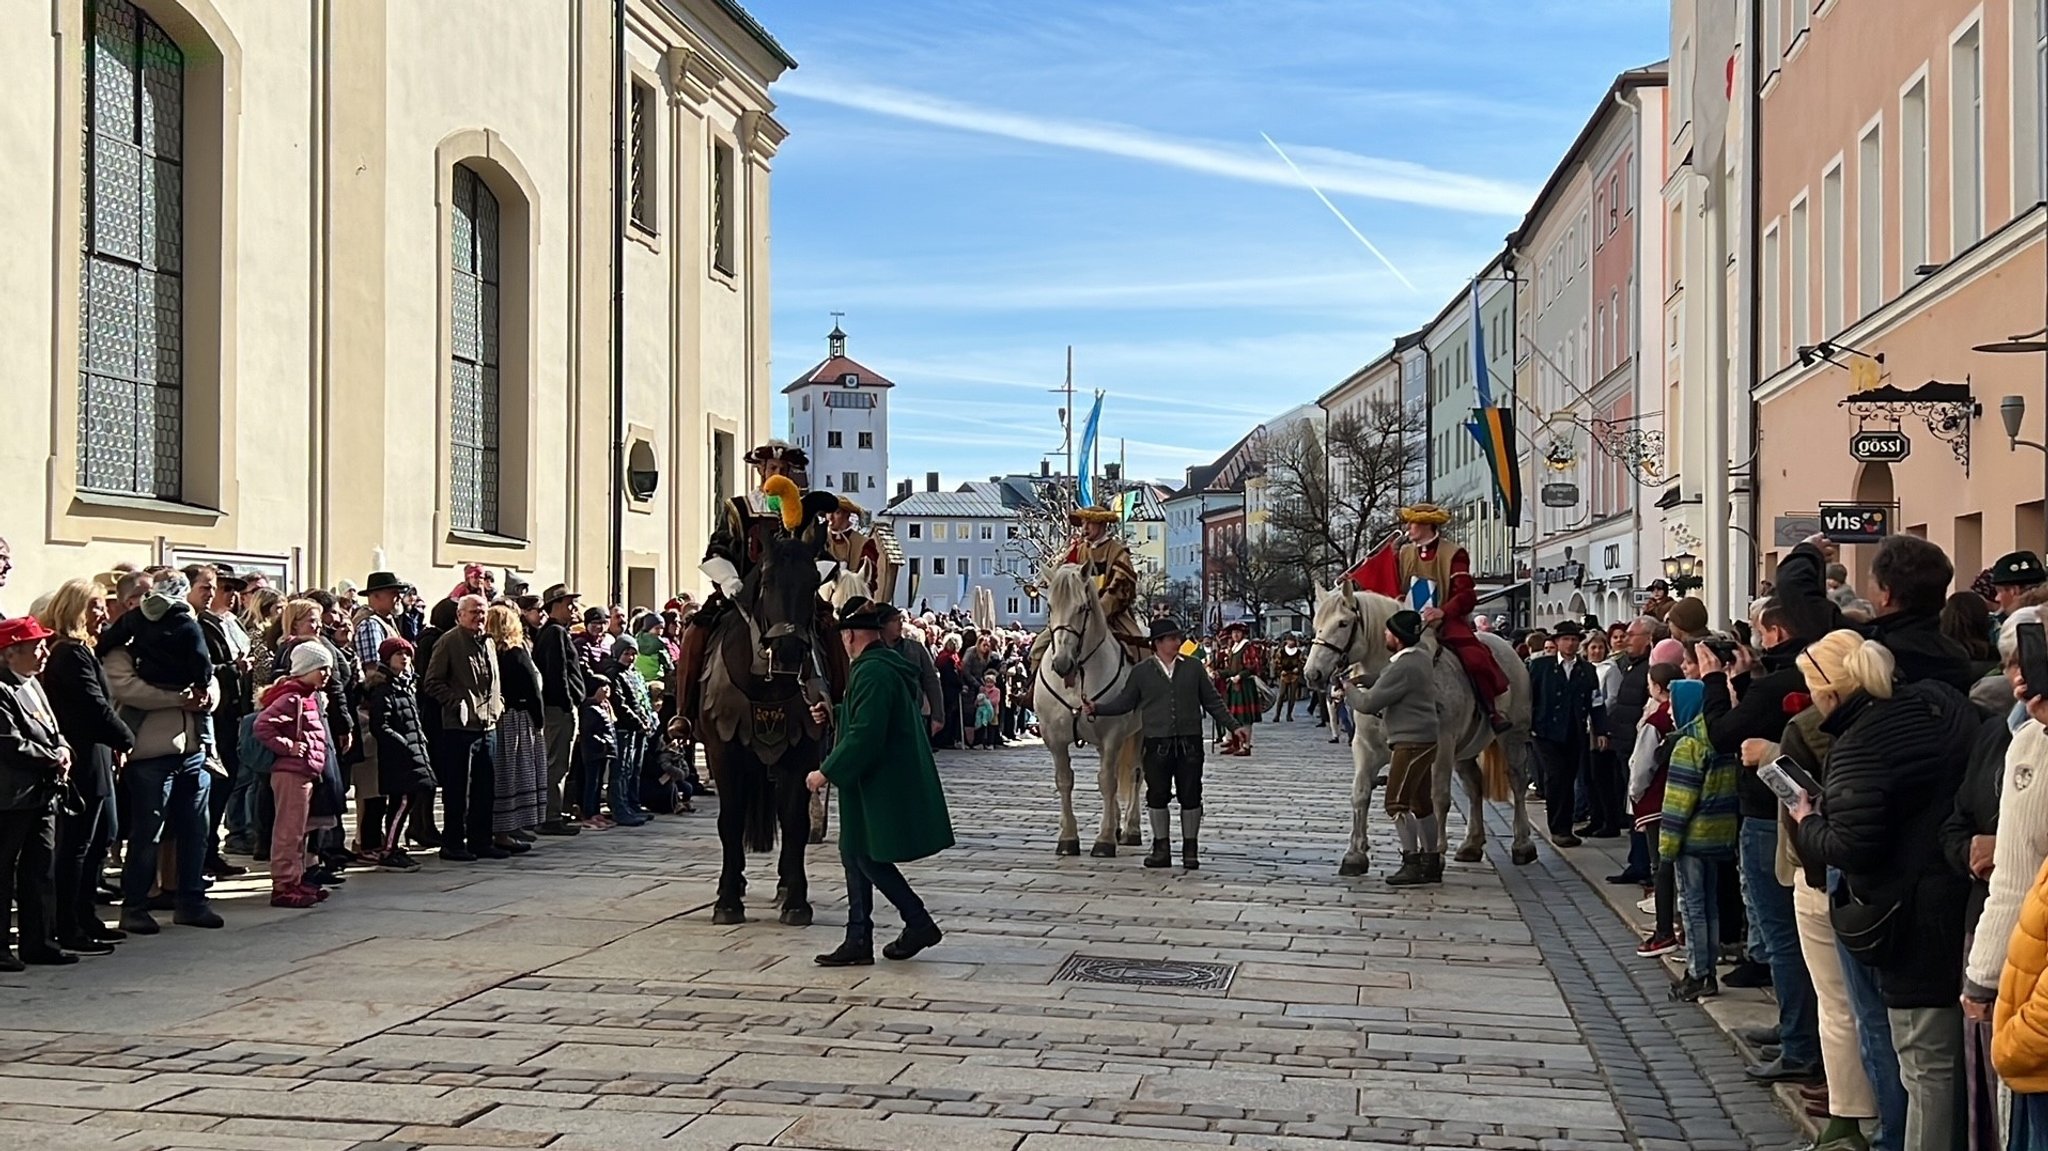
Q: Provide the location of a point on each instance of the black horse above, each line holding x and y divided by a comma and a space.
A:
765, 664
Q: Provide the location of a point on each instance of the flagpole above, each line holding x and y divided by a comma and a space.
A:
1072, 479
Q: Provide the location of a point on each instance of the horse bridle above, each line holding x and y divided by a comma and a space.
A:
1080, 635
1352, 623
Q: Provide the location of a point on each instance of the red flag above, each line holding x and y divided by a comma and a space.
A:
1379, 572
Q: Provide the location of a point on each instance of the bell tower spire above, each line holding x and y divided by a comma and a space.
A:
836, 342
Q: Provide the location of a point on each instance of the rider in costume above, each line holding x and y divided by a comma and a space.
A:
1105, 560
856, 550
1436, 579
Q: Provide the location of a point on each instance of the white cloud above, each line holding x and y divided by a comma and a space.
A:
1335, 171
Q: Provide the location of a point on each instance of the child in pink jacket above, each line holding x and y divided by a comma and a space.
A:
292, 727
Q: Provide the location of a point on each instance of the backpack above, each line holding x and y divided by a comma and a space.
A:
256, 755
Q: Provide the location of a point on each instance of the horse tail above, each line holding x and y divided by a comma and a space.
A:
1499, 785
758, 829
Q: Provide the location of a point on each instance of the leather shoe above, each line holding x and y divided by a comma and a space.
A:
50, 958
139, 923
101, 933
558, 827
86, 946
848, 955
1627, 878
1757, 1036
1564, 841
1779, 1071
486, 851
1748, 973
220, 868
912, 941
457, 855
10, 962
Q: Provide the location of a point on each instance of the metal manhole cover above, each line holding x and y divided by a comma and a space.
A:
1179, 974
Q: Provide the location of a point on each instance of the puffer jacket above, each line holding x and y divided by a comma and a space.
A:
290, 726
2019, 1026
1892, 777
403, 763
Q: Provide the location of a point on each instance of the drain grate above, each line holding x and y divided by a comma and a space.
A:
1178, 974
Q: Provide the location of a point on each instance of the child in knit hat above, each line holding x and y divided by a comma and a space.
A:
164, 639
292, 726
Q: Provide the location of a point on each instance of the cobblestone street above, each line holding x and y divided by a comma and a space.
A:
582, 999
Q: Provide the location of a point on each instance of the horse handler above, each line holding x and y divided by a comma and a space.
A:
1173, 693
1400, 697
891, 807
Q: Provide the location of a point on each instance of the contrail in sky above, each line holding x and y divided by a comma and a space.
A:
1353, 228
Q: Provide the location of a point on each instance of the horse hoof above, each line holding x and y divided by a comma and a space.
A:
727, 916
1523, 855
796, 915
1103, 850
1131, 839
1469, 855
1068, 847
1355, 865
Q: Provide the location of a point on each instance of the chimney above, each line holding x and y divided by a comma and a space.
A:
1044, 469
1113, 472
902, 488
931, 481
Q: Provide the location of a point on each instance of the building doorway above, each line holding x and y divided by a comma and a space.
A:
1873, 486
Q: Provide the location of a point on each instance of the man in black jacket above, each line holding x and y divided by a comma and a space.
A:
1624, 713
1775, 959
1909, 580
1565, 712
561, 693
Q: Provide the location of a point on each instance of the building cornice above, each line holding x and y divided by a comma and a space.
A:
761, 134
695, 76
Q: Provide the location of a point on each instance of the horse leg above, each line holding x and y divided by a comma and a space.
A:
1105, 783
1063, 779
1474, 848
1132, 788
795, 811
732, 873
1358, 860
1524, 851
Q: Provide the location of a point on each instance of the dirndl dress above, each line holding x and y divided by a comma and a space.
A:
520, 765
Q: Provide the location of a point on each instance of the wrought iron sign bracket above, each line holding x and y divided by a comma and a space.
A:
1946, 410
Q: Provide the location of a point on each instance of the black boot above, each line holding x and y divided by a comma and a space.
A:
849, 954
1432, 867
1411, 872
1161, 854
1190, 835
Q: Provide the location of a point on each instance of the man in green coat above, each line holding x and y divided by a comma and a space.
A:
891, 807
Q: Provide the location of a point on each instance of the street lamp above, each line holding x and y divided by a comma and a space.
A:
1682, 572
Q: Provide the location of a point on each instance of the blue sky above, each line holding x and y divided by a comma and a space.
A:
979, 183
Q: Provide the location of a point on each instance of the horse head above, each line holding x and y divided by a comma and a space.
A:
780, 597
1350, 629
844, 586
1073, 613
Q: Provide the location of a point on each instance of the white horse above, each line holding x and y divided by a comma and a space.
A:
1351, 630
1083, 661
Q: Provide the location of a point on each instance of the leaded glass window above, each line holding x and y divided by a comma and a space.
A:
473, 370
131, 287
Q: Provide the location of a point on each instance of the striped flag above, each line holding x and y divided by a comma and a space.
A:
1494, 427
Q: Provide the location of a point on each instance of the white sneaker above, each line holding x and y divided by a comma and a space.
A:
1648, 906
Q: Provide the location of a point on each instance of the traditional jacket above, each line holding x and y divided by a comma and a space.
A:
1446, 569
891, 806
744, 526
857, 551
1108, 562
1170, 703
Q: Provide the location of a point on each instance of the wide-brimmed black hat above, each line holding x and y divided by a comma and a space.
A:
866, 615
2018, 569
383, 581
1570, 628
783, 451
1166, 627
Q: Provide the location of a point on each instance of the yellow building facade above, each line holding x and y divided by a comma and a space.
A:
326, 287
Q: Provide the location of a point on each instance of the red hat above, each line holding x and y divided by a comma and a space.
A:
22, 630
393, 646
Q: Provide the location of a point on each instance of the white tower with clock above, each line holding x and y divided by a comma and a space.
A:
839, 416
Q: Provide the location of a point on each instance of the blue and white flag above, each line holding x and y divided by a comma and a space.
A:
1087, 465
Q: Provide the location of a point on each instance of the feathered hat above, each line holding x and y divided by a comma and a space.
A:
1424, 514
1095, 515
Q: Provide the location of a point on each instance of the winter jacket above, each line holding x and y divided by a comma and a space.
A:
1759, 715
654, 662
1701, 817
1564, 701
1976, 809
519, 683
632, 707
561, 668
334, 695
165, 641
892, 807
597, 740
291, 726
1891, 779
934, 705
1915, 641
2019, 1026
2022, 817
404, 764
31, 748
463, 679
1626, 699
155, 715
77, 687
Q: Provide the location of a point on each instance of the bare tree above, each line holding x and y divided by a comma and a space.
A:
1258, 574
1332, 493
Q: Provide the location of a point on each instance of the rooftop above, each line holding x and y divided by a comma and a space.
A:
981, 501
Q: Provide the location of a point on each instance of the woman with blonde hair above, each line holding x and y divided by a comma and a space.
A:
1898, 756
518, 753
82, 703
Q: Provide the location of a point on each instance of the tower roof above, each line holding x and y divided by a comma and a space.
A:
837, 365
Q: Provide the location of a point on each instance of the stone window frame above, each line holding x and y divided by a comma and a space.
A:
209, 495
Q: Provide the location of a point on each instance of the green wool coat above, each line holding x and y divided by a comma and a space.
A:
891, 807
